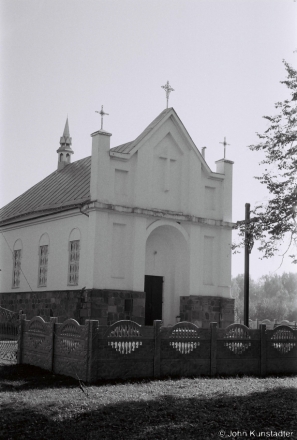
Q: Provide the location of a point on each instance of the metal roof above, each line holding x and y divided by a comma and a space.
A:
60, 190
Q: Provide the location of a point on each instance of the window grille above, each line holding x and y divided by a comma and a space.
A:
16, 268
43, 259
73, 262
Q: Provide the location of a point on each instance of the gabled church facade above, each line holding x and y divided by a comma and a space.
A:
140, 231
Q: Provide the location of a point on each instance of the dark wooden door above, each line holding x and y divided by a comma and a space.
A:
153, 287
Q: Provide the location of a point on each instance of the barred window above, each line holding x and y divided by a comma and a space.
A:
73, 262
17, 254
43, 260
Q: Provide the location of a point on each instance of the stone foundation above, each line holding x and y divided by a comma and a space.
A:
61, 303
108, 306
202, 310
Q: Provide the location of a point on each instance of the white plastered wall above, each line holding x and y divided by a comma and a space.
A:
58, 231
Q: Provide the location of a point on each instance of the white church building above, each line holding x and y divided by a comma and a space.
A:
139, 231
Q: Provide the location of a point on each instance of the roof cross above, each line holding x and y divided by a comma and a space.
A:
102, 113
225, 144
167, 89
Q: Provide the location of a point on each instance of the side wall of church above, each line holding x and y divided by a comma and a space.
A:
58, 232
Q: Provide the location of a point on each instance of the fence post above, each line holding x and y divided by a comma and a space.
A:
92, 325
20, 338
157, 354
213, 348
263, 349
53, 321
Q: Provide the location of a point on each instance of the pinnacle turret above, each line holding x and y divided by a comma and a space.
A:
65, 150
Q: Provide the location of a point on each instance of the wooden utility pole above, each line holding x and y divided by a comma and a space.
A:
247, 251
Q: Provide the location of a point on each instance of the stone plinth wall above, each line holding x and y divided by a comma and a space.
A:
60, 303
107, 306
202, 310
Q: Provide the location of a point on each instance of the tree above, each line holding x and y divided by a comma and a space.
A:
276, 219
271, 297
237, 292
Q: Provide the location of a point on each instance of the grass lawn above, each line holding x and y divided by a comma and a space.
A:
38, 405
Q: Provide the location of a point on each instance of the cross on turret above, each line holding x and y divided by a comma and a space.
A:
102, 113
225, 144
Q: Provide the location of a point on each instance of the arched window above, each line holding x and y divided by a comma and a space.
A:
43, 260
17, 257
68, 157
74, 254
61, 157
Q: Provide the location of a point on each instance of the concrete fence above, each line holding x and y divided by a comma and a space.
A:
270, 324
125, 349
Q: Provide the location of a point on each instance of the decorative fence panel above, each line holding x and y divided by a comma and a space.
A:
281, 350
71, 349
36, 342
270, 325
9, 324
128, 350
185, 350
238, 350
8, 341
124, 350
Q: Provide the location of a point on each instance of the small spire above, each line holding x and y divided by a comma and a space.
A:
66, 129
65, 150
66, 140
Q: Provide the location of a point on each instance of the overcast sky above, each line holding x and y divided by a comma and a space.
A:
68, 57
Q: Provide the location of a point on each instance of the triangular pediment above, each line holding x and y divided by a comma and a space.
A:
169, 146
126, 151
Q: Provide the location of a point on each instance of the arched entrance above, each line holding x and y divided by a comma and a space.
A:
166, 271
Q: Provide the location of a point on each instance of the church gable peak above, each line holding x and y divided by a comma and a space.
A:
126, 151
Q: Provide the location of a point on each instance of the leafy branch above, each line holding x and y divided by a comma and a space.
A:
276, 218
